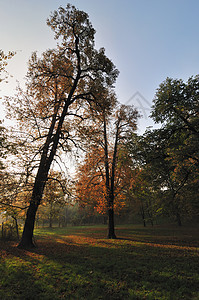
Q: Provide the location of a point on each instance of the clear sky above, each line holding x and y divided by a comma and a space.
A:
148, 40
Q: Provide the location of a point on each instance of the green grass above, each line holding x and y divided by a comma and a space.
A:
79, 263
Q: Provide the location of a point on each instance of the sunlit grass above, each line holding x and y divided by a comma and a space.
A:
80, 263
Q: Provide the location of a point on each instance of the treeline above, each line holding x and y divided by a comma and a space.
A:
69, 107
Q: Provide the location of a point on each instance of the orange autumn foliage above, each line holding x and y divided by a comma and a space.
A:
91, 188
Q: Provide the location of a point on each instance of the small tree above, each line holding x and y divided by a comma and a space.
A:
56, 196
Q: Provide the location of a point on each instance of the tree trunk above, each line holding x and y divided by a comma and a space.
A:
40, 182
16, 227
27, 236
143, 215
178, 219
2, 230
176, 210
50, 221
150, 212
111, 225
51, 216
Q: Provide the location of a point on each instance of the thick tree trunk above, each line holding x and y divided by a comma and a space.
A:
40, 181
27, 236
111, 225
50, 222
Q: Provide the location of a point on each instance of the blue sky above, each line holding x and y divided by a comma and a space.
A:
148, 40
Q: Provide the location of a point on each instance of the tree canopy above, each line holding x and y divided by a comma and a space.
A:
170, 154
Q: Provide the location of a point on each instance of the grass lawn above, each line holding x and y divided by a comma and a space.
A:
79, 263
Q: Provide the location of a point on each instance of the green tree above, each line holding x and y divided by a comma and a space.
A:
171, 153
60, 85
176, 106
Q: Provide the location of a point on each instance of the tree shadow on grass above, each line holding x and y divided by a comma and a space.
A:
87, 268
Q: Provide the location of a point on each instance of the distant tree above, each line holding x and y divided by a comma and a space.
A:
142, 197
56, 196
60, 86
14, 197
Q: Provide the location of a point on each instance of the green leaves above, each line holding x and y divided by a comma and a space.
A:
170, 155
177, 104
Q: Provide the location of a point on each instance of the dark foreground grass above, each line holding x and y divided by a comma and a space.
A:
78, 263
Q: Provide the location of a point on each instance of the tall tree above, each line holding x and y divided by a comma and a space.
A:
171, 152
60, 85
176, 107
102, 173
